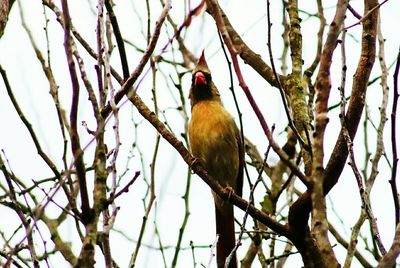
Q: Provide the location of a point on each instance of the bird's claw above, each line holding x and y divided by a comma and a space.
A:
230, 190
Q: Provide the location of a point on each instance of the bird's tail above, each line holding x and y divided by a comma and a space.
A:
225, 228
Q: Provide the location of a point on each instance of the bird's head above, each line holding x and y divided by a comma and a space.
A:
202, 87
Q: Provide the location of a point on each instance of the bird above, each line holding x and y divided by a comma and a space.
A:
216, 141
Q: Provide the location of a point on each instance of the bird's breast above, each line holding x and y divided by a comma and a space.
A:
210, 123
213, 140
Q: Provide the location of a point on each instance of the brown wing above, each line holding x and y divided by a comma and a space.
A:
239, 179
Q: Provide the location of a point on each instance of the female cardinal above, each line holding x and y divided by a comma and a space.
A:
216, 141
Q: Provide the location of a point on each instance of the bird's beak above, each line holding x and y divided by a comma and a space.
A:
199, 79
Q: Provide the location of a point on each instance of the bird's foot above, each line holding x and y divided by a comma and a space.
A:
230, 191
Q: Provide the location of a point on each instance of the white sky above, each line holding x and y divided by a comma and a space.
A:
31, 89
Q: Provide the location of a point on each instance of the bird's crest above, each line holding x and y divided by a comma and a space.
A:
201, 65
203, 87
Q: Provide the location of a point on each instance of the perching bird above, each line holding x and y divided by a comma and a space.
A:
216, 141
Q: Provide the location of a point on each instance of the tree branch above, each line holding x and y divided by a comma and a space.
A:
196, 166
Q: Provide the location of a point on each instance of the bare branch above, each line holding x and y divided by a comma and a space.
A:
75, 143
389, 260
195, 165
393, 118
127, 86
217, 14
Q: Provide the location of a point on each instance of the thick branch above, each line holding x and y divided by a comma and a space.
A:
299, 211
389, 259
5, 8
357, 99
248, 56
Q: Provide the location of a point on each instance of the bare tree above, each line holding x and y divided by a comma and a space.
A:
116, 96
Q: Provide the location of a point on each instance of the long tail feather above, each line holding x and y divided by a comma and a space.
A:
225, 228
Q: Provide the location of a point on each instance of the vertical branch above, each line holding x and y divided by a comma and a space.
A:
185, 219
102, 88
357, 100
186, 195
351, 248
285, 37
75, 143
118, 38
281, 91
380, 150
341, 240
363, 193
322, 21
101, 171
383, 107
310, 70
155, 157
251, 201
294, 86
187, 55
240, 115
299, 211
149, 206
393, 118
295, 38
152, 175
323, 82
322, 89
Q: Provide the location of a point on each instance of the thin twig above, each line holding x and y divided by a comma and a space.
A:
363, 18
196, 166
127, 86
246, 214
118, 38
345, 244
28, 125
232, 89
233, 53
152, 197
60, 18
354, 12
363, 193
308, 73
394, 141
